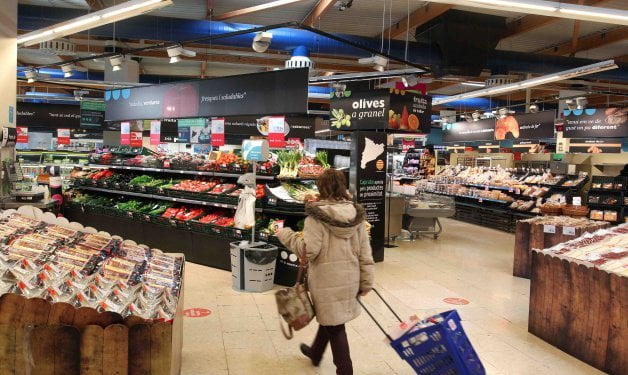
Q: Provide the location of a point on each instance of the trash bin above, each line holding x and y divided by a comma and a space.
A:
253, 266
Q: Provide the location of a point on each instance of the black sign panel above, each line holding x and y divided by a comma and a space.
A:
538, 125
92, 114
596, 123
394, 110
40, 116
169, 131
482, 130
277, 92
368, 179
595, 145
8, 137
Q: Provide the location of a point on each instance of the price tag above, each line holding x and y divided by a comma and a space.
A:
569, 231
549, 228
510, 190
562, 199
173, 223
577, 201
146, 218
486, 188
480, 200
129, 214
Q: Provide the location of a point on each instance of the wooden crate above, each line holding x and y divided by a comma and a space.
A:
581, 310
530, 235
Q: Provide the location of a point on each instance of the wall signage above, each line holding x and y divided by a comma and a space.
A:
155, 132
218, 132
538, 125
483, 130
22, 134
596, 123
276, 92
51, 116
63, 136
595, 145
125, 133
92, 114
276, 135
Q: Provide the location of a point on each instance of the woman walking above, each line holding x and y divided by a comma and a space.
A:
336, 244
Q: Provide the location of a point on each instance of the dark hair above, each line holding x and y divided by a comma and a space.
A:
332, 185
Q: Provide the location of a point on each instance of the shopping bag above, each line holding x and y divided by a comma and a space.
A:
294, 303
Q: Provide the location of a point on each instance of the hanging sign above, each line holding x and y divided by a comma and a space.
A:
48, 116
538, 125
8, 137
183, 135
393, 110
529, 146
596, 123
136, 139
407, 144
63, 136
483, 130
92, 114
282, 91
276, 135
168, 131
488, 147
218, 132
22, 134
155, 132
125, 133
595, 145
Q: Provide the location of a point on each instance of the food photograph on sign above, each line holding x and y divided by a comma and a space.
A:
538, 125
596, 122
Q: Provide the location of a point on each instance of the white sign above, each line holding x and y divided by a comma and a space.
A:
549, 228
577, 201
276, 125
218, 126
569, 231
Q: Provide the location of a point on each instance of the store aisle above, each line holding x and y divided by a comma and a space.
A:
468, 263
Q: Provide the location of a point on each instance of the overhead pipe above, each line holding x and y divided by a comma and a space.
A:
172, 29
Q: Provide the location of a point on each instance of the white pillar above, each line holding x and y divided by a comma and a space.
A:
8, 67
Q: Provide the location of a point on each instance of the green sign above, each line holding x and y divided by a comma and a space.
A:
190, 122
92, 114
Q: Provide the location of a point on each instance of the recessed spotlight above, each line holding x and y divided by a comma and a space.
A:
68, 70
261, 41
175, 53
116, 62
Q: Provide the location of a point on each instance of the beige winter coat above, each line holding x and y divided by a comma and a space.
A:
339, 253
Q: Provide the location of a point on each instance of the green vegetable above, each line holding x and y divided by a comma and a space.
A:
288, 163
321, 157
141, 180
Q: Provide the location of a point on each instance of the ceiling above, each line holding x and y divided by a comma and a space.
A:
367, 18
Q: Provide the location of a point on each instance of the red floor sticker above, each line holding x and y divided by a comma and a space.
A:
196, 312
456, 301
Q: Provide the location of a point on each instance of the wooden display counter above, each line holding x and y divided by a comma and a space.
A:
581, 310
530, 234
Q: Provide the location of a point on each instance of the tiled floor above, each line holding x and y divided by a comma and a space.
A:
241, 336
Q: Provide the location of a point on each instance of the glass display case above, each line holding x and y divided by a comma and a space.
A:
34, 162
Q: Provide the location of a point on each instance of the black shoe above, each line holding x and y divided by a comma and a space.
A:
307, 351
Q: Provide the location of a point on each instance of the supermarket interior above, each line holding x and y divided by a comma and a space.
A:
184, 181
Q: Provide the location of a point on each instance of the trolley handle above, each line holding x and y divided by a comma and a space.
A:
373, 318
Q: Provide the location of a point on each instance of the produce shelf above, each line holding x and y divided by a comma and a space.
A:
161, 197
176, 171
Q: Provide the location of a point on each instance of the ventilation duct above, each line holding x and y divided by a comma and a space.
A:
465, 39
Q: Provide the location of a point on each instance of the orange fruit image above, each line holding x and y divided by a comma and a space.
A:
379, 164
413, 122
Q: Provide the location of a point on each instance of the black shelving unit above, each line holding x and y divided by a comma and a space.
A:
603, 192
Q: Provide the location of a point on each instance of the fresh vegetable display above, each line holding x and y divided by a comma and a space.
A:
196, 186
299, 191
288, 163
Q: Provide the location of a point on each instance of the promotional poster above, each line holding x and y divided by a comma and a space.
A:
276, 92
596, 123
92, 114
483, 130
40, 116
538, 125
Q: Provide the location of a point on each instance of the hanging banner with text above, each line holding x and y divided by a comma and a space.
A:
63, 136
394, 110
595, 146
538, 125
218, 132
22, 134
168, 131
136, 139
125, 133
92, 114
483, 130
276, 135
48, 116
596, 123
282, 91
155, 132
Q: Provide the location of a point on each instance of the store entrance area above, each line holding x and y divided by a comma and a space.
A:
469, 268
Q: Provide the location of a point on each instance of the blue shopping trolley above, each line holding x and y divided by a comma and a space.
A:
441, 348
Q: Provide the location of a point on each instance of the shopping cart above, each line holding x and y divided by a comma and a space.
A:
440, 348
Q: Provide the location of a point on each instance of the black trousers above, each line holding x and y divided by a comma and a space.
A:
336, 336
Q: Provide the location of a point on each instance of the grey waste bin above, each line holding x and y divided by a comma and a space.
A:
253, 266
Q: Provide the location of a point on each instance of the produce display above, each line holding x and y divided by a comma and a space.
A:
294, 163
59, 264
606, 249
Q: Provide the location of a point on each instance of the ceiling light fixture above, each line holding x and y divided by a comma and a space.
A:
473, 83
115, 13
30, 75
554, 77
533, 108
262, 41
116, 62
378, 62
548, 9
361, 76
68, 70
175, 53
404, 80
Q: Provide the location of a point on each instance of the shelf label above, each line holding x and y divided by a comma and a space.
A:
569, 231
577, 201
549, 228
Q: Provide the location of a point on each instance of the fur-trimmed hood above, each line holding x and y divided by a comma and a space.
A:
339, 217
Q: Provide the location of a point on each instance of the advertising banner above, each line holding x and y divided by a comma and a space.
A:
218, 132
394, 110
22, 134
125, 133
595, 145
155, 132
63, 136
483, 130
183, 135
596, 123
276, 92
538, 125
276, 135
136, 139
295, 126
41, 115
92, 114
169, 131
368, 180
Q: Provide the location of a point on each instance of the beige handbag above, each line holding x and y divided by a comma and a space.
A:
294, 303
